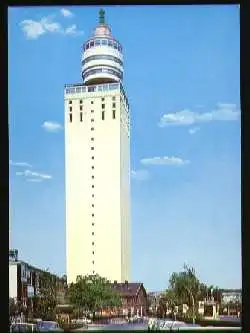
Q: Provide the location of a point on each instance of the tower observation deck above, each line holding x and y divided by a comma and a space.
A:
102, 58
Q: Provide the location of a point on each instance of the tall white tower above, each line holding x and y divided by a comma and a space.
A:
97, 163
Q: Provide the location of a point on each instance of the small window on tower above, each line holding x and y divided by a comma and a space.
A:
103, 115
113, 114
93, 272
70, 117
93, 215
113, 98
92, 167
93, 233
92, 102
70, 108
93, 195
92, 157
93, 224
93, 243
92, 111
93, 253
93, 205
80, 101
93, 177
103, 106
93, 260
92, 128
103, 98
92, 120
92, 148
80, 116
70, 102
113, 105
92, 139
93, 186
81, 107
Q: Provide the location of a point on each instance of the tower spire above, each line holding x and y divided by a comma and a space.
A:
101, 16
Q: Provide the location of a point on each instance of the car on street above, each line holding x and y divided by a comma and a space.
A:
45, 326
23, 327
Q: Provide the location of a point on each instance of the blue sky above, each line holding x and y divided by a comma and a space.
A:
182, 81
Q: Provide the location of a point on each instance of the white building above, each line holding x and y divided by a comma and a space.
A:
97, 163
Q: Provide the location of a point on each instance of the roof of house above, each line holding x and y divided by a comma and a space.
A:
127, 289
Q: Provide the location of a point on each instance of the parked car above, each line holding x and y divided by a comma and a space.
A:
23, 327
45, 326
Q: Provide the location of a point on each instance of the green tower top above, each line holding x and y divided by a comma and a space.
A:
101, 16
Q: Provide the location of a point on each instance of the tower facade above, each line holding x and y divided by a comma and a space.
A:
97, 163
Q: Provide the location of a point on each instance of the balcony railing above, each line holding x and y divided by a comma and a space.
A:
81, 88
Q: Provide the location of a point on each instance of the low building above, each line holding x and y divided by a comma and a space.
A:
231, 296
25, 280
134, 299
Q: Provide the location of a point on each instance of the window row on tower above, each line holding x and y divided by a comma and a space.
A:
92, 119
116, 72
103, 42
102, 57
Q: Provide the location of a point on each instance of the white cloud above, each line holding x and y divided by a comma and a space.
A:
20, 164
33, 175
34, 29
193, 130
140, 174
66, 13
29, 173
223, 112
165, 160
51, 126
71, 30
37, 180
51, 26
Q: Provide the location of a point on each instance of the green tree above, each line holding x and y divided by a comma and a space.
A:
162, 307
185, 287
92, 293
15, 307
47, 299
172, 299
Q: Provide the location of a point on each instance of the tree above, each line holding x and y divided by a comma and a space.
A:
92, 293
186, 287
203, 292
46, 300
162, 307
171, 300
13, 307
